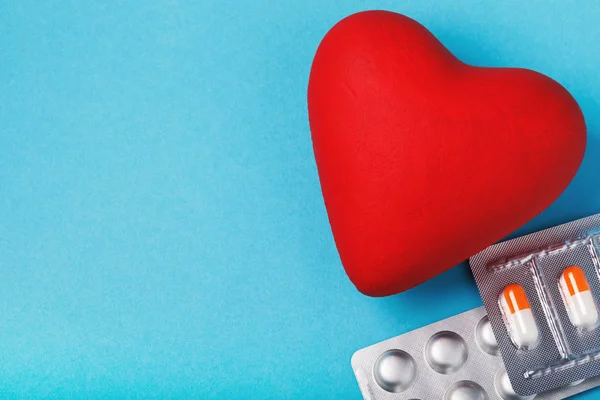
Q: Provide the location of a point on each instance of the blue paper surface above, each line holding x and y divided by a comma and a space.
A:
162, 229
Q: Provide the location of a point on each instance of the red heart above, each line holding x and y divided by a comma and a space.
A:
424, 160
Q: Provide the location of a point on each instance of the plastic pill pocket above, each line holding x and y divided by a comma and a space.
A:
541, 293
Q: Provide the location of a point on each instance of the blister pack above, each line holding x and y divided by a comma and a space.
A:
453, 359
541, 293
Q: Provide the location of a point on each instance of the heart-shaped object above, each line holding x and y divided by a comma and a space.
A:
424, 160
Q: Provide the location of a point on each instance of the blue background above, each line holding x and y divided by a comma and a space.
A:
162, 230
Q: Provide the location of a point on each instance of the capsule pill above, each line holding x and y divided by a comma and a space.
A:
578, 298
518, 317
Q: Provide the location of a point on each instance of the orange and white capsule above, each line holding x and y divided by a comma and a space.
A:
518, 317
578, 298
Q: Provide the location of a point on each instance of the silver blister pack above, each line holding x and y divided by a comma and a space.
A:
541, 293
453, 359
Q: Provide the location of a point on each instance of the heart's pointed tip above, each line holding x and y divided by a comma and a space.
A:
384, 289
395, 278
376, 290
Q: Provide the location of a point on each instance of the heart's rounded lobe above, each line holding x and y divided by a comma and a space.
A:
424, 160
